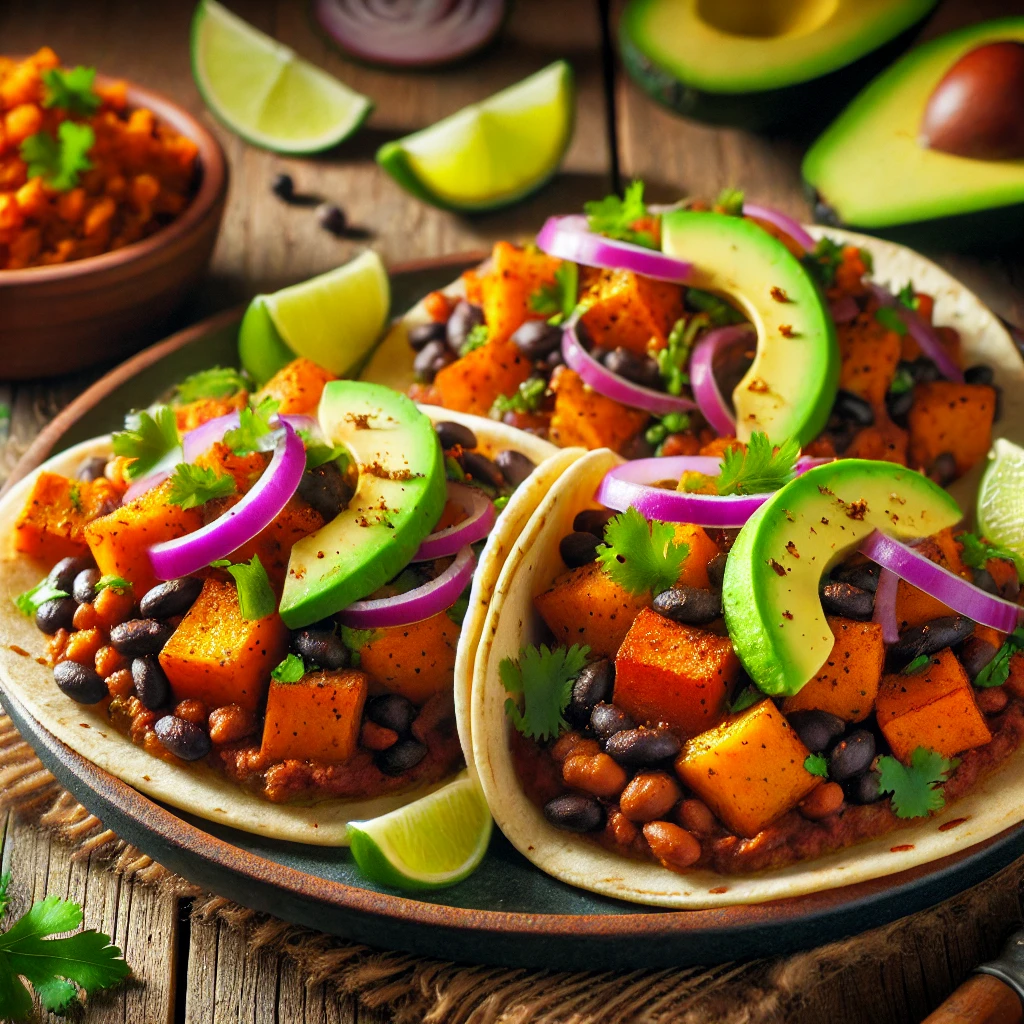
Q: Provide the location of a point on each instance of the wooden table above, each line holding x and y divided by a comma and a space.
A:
200, 973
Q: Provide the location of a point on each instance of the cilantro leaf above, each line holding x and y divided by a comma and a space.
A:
75, 496
543, 678
557, 300
746, 698
916, 790
759, 469
319, 454
457, 612
476, 338
146, 439
906, 296
291, 670
997, 671
218, 382
615, 217
116, 583
730, 202
720, 313
71, 90
59, 161
28, 603
890, 319
977, 551
255, 598
919, 664
356, 639
526, 398
192, 486
902, 381
823, 262
453, 471
253, 431
641, 557
816, 764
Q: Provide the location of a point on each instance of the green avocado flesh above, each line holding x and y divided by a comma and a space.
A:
770, 591
791, 385
872, 172
400, 496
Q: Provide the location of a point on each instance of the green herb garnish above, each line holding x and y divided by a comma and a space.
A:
219, 382
118, 584
75, 496
720, 313
916, 789
291, 670
902, 381
255, 598
253, 431
891, 320
59, 161
28, 603
453, 471
543, 678
319, 454
192, 486
907, 297
747, 697
977, 551
355, 640
758, 470
71, 90
918, 665
824, 261
147, 438
457, 612
557, 300
816, 764
639, 556
997, 671
526, 398
729, 202
476, 338
614, 217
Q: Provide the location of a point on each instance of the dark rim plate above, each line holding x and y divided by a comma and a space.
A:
508, 912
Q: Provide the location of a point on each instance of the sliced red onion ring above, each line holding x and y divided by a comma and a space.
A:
145, 484
477, 524
923, 333
793, 228
611, 385
945, 586
885, 605
202, 438
844, 309
710, 399
240, 523
569, 238
418, 604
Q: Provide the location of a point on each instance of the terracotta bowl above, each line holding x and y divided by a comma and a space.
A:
59, 319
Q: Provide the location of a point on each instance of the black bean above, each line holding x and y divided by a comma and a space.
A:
716, 569
694, 606
433, 357
864, 789
932, 637
283, 187
943, 469
593, 685
853, 409
575, 812
515, 467
642, 748
851, 756
554, 359
983, 580
422, 334
465, 316
593, 520
817, 730
400, 757
184, 739
56, 614
83, 590
92, 468
899, 406
637, 447
331, 217
326, 489
174, 597
600, 354
479, 467
847, 600
392, 711
455, 435
62, 575
863, 575
578, 548
325, 650
139, 637
79, 682
923, 370
606, 720
975, 654
1011, 588
151, 685
537, 339
642, 370
979, 374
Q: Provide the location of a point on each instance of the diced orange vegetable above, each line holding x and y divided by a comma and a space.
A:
869, 352
473, 382
52, 523
934, 708
627, 310
915, 607
749, 770
948, 336
1002, 570
298, 387
505, 290
702, 550
883, 441
192, 414
437, 305
315, 719
584, 417
471, 281
951, 417
847, 683
417, 660
1015, 681
220, 658
668, 672
274, 543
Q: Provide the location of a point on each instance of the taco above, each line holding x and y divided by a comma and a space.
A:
248, 606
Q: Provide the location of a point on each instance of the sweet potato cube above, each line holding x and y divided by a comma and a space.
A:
584, 606
417, 660
505, 290
52, 524
584, 417
870, 352
627, 310
1015, 681
883, 441
298, 387
951, 417
702, 550
192, 414
315, 719
220, 658
668, 672
749, 770
848, 681
934, 708
120, 541
473, 382
915, 607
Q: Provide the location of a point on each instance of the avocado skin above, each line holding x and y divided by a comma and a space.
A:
806, 106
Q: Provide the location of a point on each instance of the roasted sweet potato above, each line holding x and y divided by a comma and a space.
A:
1015, 681
316, 719
505, 290
749, 770
869, 352
914, 607
628, 310
298, 387
934, 708
220, 658
52, 524
848, 682
702, 550
472, 383
191, 415
668, 672
949, 336
583, 417
951, 417
416, 660
883, 441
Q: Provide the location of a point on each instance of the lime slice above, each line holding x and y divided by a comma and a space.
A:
262, 91
334, 319
1001, 498
493, 152
431, 843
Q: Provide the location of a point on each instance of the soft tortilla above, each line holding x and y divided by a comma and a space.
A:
993, 805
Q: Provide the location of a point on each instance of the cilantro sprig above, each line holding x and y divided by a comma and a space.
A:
477, 338
916, 788
147, 438
758, 470
890, 319
747, 697
118, 584
730, 202
816, 764
355, 640
557, 299
615, 217
997, 671
543, 679
59, 161
719, 312
526, 398
902, 381
253, 431
29, 602
290, 670
192, 486
977, 550
255, 597
71, 90
218, 382
917, 666
907, 297
639, 556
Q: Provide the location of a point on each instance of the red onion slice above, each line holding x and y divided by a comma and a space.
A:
257, 510
477, 524
202, 438
885, 605
793, 228
844, 309
924, 334
569, 238
945, 586
418, 604
152, 479
710, 399
410, 33
611, 385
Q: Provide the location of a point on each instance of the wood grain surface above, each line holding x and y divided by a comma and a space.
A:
201, 973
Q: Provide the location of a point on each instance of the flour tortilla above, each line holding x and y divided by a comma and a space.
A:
511, 622
197, 788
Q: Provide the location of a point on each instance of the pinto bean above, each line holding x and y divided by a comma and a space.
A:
823, 801
575, 812
673, 846
597, 774
648, 796
695, 816
642, 747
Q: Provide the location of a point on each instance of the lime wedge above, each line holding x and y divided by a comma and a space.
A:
262, 91
431, 843
334, 319
493, 152
1001, 498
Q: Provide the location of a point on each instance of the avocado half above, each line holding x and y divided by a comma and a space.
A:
869, 171
760, 63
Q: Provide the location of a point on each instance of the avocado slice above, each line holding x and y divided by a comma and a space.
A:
791, 385
770, 591
870, 171
756, 63
399, 497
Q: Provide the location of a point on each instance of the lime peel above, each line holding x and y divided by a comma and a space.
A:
1000, 507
